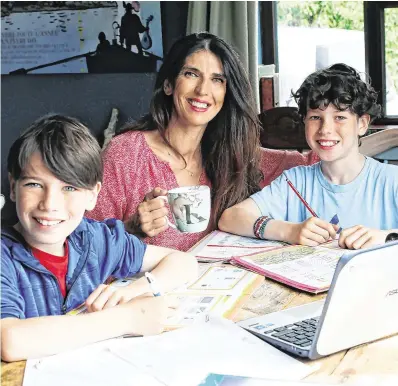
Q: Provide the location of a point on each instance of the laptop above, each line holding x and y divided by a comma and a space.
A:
361, 307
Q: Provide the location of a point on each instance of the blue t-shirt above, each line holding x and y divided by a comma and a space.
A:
371, 199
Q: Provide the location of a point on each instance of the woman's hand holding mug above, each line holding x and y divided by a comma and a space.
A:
190, 207
152, 213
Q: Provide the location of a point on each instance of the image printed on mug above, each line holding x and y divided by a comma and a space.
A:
190, 208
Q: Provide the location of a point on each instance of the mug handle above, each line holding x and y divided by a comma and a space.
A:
169, 223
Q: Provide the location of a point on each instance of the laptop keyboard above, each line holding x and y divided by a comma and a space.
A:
300, 333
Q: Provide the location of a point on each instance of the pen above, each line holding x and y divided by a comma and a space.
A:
300, 196
153, 284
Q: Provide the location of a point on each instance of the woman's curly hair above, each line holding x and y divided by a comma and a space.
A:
340, 85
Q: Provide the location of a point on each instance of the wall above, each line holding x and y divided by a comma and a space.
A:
89, 97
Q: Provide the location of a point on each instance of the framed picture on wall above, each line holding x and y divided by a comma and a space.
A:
53, 37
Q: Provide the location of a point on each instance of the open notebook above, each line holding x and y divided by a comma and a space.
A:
307, 268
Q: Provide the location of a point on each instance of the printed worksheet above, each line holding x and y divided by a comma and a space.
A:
192, 306
224, 239
225, 253
334, 244
222, 246
306, 266
222, 279
216, 290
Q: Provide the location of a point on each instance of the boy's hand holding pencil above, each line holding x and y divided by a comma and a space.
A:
312, 232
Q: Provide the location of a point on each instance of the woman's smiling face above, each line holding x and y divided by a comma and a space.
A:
199, 90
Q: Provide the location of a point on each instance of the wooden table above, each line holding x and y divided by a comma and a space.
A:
373, 364
367, 365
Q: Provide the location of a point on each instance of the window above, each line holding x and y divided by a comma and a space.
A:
315, 35
302, 36
391, 60
381, 52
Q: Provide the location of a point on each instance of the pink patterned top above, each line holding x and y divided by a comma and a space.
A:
131, 170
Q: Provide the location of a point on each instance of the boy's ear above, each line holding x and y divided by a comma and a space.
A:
12, 187
93, 193
363, 125
168, 89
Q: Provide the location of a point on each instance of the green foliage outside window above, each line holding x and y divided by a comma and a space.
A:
391, 28
322, 14
343, 15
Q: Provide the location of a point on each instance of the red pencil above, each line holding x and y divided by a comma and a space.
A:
299, 196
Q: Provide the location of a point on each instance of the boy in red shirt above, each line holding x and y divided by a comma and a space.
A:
54, 259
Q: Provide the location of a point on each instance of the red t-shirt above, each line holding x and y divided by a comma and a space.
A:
55, 264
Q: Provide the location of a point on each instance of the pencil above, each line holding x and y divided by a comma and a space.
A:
300, 196
153, 284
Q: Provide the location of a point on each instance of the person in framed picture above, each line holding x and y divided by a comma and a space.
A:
131, 27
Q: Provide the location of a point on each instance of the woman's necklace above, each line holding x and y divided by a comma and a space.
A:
187, 170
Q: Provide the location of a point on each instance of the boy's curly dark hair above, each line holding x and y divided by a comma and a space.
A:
340, 85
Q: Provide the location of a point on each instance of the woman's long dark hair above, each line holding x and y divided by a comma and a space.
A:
230, 143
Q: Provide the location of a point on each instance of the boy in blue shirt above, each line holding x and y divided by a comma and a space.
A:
337, 108
54, 259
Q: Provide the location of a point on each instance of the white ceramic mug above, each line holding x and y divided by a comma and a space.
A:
190, 207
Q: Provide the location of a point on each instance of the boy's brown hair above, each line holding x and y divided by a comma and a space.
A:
67, 148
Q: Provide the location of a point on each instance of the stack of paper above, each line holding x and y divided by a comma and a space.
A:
182, 357
217, 290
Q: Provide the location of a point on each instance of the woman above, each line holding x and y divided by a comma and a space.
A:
202, 128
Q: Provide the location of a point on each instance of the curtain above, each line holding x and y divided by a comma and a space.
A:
237, 23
